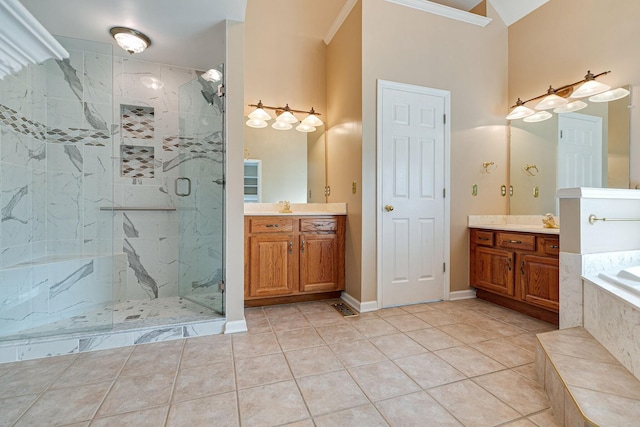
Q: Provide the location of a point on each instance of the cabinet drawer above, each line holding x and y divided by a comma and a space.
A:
318, 224
482, 237
271, 225
551, 246
516, 241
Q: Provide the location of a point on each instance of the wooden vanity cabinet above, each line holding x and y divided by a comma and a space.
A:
293, 258
517, 270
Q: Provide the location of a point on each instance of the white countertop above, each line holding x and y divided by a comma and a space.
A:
521, 223
297, 209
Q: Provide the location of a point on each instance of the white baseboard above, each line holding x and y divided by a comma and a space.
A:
362, 307
458, 295
235, 326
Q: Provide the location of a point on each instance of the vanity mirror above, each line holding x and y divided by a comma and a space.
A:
587, 148
292, 164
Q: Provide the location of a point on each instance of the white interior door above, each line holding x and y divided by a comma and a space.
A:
579, 151
413, 215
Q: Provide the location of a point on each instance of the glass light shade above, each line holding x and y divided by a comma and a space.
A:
570, 107
256, 123
130, 42
520, 112
540, 116
212, 75
303, 127
281, 126
152, 82
589, 88
550, 101
287, 117
259, 114
312, 120
611, 95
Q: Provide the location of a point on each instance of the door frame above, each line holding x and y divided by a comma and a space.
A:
446, 95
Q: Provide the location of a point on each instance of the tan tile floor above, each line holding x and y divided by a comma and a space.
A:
464, 363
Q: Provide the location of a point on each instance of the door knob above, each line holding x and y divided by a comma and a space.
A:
388, 208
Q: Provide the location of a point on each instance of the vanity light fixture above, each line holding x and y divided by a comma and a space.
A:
133, 41
540, 116
557, 98
286, 116
285, 119
590, 87
610, 95
520, 111
571, 107
550, 101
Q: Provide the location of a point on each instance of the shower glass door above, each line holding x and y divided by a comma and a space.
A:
199, 190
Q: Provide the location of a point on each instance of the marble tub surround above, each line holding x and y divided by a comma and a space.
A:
585, 384
296, 209
612, 316
523, 223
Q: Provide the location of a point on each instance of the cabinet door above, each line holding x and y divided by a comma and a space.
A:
319, 262
494, 270
539, 280
272, 265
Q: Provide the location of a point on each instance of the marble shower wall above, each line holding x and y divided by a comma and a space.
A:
164, 132
55, 173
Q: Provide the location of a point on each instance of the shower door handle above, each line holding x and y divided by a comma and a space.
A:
178, 189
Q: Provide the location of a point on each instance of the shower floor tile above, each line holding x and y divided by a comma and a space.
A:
127, 315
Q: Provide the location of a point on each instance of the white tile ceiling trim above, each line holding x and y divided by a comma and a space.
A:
446, 11
23, 40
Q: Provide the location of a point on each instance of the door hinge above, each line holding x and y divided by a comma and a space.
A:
444, 193
222, 91
327, 191
444, 267
444, 119
560, 134
221, 286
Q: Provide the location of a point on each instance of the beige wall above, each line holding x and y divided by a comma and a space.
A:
557, 43
404, 45
234, 126
344, 137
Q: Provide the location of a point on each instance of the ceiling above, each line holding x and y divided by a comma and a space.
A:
182, 31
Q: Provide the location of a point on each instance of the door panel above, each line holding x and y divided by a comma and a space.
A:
412, 151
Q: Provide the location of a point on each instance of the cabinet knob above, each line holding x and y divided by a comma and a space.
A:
388, 208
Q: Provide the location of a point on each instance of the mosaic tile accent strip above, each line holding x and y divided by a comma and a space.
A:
20, 124
137, 122
212, 143
136, 161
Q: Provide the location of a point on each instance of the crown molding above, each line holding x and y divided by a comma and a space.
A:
446, 11
340, 18
23, 40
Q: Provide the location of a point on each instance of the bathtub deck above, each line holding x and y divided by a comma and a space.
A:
585, 384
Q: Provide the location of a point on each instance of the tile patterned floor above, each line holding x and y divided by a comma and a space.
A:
464, 363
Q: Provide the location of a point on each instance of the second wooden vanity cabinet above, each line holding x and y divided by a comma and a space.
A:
289, 256
517, 270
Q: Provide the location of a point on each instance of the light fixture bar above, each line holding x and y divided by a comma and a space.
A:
312, 111
562, 90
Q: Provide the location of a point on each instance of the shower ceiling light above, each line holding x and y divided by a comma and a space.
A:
131, 40
212, 75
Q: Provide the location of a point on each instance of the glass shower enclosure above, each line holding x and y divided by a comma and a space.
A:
200, 190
